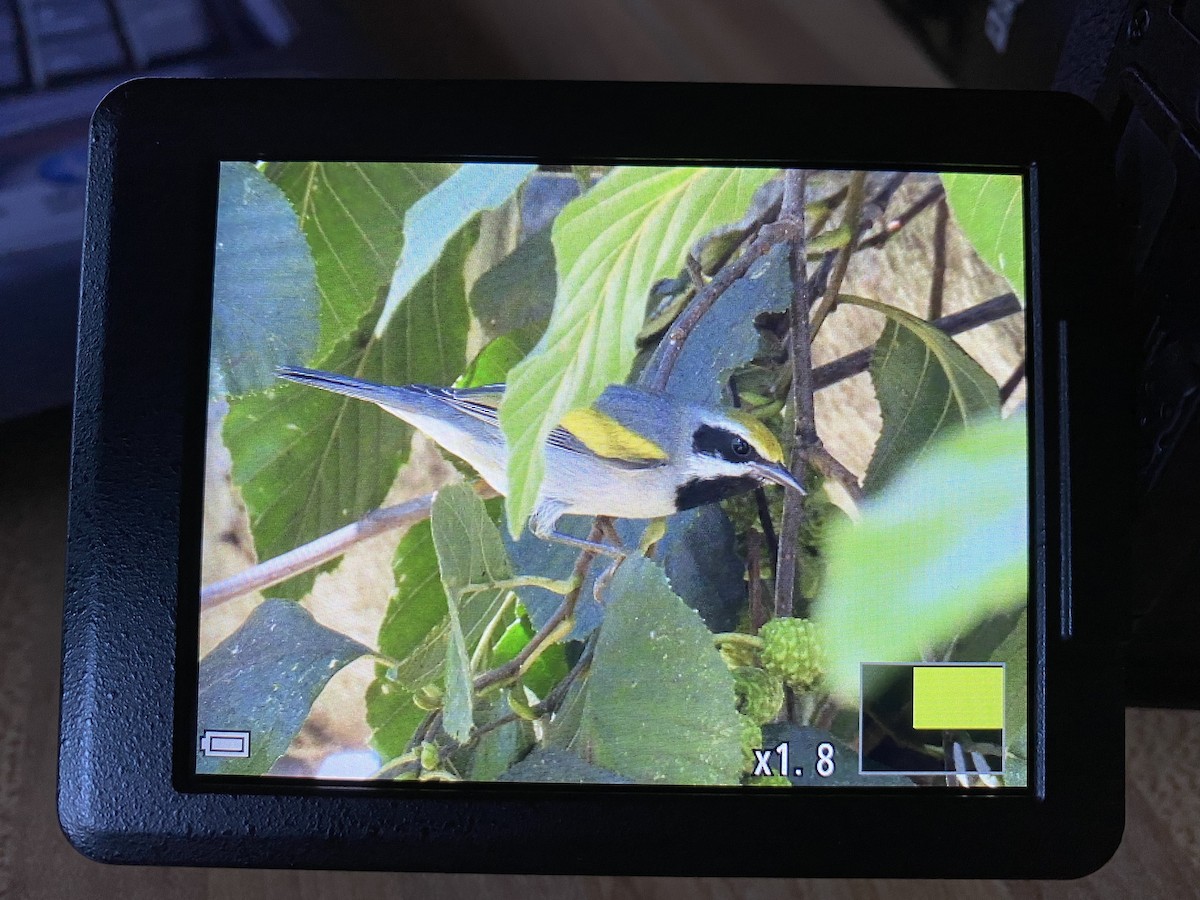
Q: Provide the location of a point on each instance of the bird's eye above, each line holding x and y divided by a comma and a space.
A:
740, 447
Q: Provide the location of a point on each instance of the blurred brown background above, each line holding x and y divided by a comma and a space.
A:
818, 41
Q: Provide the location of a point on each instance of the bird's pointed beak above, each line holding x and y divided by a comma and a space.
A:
778, 474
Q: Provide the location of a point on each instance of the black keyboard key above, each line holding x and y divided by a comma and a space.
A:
164, 29
82, 53
48, 18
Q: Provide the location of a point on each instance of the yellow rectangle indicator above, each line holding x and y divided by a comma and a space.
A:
958, 697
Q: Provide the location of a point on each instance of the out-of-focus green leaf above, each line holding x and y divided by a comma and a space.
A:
633, 228
308, 461
1014, 653
726, 337
989, 209
264, 679
264, 283
658, 706
926, 386
353, 217
941, 549
435, 218
469, 552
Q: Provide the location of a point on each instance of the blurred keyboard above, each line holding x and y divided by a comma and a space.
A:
58, 58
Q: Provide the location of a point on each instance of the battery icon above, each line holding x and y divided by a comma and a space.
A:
225, 744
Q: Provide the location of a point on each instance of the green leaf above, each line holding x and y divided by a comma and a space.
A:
434, 219
517, 294
659, 703
470, 552
547, 670
633, 228
941, 549
926, 386
726, 337
498, 749
264, 678
308, 461
554, 766
1014, 653
990, 211
264, 283
492, 364
353, 216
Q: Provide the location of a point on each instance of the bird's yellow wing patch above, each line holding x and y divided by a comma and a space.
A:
766, 442
607, 437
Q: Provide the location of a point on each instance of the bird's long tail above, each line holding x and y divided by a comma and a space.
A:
339, 384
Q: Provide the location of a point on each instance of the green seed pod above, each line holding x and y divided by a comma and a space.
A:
752, 738
792, 651
760, 694
430, 757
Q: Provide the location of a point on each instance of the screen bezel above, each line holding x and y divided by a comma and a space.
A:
139, 448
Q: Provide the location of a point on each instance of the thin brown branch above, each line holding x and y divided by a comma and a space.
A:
956, 323
551, 629
891, 227
758, 610
937, 284
801, 390
851, 220
1014, 379
831, 467
314, 553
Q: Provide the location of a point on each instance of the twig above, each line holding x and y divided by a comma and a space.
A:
550, 631
831, 467
310, 555
801, 391
926, 200
956, 323
1014, 379
658, 371
768, 527
758, 611
937, 284
850, 220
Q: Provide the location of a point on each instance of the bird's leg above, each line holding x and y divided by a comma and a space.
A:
609, 530
547, 533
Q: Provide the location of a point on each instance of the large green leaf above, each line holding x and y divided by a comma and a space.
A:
415, 631
633, 228
469, 552
264, 283
554, 766
309, 461
659, 704
942, 548
264, 679
926, 386
726, 337
989, 209
434, 219
517, 294
353, 216
412, 632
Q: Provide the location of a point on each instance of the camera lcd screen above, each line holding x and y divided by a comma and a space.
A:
616, 474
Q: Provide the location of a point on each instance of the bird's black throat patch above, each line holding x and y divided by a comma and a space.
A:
699, 491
